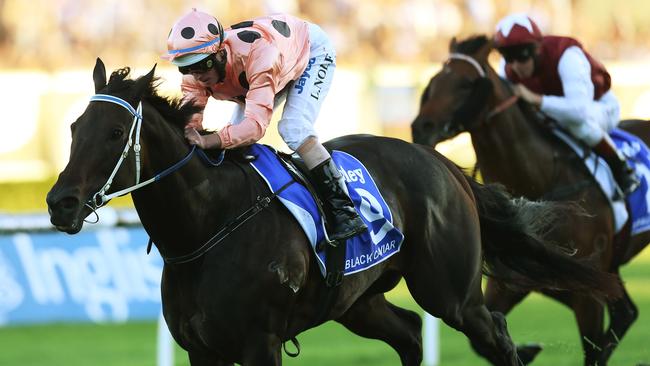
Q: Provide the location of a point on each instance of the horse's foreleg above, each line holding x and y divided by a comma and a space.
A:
622, 313
374, 317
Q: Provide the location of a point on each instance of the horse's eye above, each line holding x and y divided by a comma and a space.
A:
116, 134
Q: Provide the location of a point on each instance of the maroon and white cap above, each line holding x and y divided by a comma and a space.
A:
516, 29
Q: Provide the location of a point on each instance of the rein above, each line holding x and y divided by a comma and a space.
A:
100, 198
557, 193
503, 105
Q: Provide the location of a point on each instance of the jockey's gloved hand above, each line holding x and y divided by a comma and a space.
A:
194, 137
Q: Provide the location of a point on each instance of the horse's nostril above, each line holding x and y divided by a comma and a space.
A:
69, 203
64, 205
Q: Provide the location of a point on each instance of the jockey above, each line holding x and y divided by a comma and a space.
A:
257, 64
557, 75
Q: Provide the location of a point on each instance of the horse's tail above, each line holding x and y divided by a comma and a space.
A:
516, 250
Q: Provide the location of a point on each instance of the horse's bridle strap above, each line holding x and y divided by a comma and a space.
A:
119, 101
503, 106
100, 198
472, 61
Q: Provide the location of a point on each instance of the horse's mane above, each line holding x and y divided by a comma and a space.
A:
172, 109
470, 45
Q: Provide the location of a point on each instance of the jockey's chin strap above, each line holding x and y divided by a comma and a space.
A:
481, 72
100, 198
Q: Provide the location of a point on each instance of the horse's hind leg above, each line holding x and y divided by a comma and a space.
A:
502, 299
622, 313
374, 317
488, 335
460, 305
590, 317
465, 311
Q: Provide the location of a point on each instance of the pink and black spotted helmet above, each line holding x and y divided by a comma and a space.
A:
516, 30
193, 37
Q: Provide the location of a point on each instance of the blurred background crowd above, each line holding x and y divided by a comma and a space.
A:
387, 51
54, 34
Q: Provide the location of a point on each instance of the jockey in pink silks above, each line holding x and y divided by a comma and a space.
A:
257, 64
567, 84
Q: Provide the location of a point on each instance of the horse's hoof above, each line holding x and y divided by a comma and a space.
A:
528, 352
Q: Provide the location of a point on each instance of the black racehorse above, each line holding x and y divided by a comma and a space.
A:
514, 147
240, 300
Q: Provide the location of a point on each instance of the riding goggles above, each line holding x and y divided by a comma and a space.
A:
517, 53
199, 67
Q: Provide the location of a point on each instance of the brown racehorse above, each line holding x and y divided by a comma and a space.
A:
240, 300
514, 148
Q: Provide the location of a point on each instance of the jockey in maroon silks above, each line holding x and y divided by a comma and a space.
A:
257, 64
567, 84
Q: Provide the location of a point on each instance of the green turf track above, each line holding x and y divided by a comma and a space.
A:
537, 319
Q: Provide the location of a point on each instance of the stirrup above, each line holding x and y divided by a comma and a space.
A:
618, 194
323, 244
631, 186
359, 229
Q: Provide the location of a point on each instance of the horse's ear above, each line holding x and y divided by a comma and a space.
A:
484, 51
99, 75
143, 83
490, 43
453, 44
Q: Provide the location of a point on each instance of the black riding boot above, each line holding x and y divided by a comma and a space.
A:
623, 172
331, 187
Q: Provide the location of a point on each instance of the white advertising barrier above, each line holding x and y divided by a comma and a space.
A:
101, 275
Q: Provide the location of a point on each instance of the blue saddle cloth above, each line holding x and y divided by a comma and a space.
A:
638, 155
638, 202
377, 244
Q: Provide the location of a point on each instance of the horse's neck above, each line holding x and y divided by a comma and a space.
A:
511, 150
176, 209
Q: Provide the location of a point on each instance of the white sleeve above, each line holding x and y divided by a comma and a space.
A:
575, 72
237, 114
501, 68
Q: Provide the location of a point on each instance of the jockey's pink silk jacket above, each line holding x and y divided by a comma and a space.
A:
263, 56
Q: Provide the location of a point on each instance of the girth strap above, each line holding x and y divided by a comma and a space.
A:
230, 227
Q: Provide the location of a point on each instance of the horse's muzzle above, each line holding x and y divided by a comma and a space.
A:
64, 212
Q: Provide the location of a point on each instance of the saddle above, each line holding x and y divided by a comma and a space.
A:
335, 253
298, 170
280, 172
